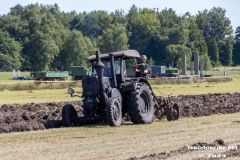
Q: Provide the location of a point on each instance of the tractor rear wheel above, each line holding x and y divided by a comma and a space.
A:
69, 115
172, 112
140, 104
114, 112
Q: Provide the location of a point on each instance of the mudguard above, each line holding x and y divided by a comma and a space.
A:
114, 92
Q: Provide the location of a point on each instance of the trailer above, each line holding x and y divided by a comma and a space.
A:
157, 70
22, 78
173, 72
49, 76
78, 72
161, 71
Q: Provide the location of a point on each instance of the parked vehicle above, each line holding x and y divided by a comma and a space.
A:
78, 72
49, 76
22, 78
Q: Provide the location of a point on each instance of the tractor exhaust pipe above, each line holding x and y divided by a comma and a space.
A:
99, 66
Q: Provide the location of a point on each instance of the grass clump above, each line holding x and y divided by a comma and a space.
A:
37, 86
190, 81
219, 80
169, 81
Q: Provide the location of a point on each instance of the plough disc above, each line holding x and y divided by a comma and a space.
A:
172, 112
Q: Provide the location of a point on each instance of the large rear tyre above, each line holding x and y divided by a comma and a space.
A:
114, 112
69, 116
172, 112
140, 104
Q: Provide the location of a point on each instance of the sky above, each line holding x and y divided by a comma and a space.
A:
180, 6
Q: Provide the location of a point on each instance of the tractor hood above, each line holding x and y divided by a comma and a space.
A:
125, 54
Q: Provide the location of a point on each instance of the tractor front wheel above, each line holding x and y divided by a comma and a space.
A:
69, 115
114, 112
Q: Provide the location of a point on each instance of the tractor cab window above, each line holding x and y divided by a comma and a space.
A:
107, 69
129, 67
117, 63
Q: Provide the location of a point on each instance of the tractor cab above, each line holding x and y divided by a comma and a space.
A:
117, 65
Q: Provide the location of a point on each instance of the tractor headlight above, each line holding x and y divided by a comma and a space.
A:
106, 85
70, 91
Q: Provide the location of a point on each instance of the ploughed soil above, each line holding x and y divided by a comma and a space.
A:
27, 117
208, 104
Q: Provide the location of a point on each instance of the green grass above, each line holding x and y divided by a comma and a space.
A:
161, 81
217, 72
104, 142
221, 73
36, 96
197, 88
6, 76
56, 95
30, 85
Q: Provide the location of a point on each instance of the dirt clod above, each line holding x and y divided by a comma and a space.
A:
219, 142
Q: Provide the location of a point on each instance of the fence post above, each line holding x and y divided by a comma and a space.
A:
183, 58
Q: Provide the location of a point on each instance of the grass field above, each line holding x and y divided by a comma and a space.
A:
9, 75
227, 68
197, 88
104, 142
219, 71
58, 95
36, 96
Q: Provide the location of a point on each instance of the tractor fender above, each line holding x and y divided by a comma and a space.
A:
142, 80
156, 101
114, 92
133, 85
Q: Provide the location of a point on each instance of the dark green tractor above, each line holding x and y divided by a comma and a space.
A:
111, 94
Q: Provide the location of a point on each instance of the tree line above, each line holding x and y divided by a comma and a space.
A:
42, 37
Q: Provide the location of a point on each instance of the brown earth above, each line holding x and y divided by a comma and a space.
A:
27, 117
208, 104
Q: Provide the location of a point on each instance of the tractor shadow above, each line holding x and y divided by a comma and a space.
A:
96, 124
53, 124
